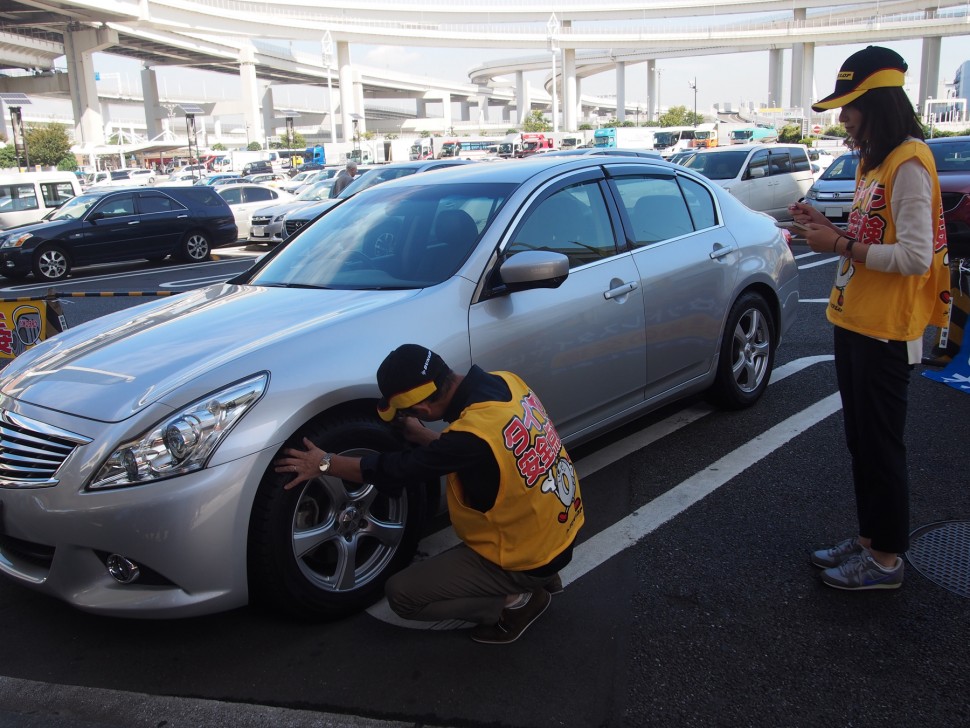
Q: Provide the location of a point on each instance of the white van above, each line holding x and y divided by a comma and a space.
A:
28, 196
765, 177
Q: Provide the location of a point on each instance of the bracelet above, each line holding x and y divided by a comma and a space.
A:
848, 248
835, 245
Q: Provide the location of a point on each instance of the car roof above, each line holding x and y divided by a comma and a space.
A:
945, 139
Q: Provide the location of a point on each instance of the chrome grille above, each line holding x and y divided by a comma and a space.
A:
260, 220
293, 225
31, 452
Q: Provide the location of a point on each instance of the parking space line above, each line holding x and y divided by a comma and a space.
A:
628, 531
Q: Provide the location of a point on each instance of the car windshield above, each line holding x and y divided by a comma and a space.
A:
952, 156
391, 238
74, 208
317, 191
842, 168
374, 177
717, 165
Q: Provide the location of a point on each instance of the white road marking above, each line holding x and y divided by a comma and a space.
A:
626, 532
826, 261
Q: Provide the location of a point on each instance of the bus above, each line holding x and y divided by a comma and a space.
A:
467, 147
751, 134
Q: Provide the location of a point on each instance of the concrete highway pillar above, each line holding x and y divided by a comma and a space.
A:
651, 88
347, 106
421, 108
251, 97
570, 100
620, 91
149, 89
446, 111
796, 63
808, 78
465, 111
269, 116
776, 72
523, 103
929, 70
79, 47
359, 103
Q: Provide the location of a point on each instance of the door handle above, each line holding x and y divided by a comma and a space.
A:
134, 222
621, 290
720, 251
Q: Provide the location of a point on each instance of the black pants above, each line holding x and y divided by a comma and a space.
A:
873, 381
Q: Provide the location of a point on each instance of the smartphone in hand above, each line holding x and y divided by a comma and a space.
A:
792, 225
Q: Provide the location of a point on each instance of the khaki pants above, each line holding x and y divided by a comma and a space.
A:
457, 584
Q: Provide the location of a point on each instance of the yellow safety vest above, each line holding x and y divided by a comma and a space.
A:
538, 509
889, 305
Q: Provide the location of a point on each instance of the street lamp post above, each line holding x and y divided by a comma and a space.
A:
553, 27
328, 62
694, 87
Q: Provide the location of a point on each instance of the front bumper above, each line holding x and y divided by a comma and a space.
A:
188, 535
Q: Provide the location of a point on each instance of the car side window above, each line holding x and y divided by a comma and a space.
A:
21, 197
699, 202
259, 194
656, 208
780, 163
800, 160
154, 202
232, 195
56, 193
573, 221
117, 206
758, 165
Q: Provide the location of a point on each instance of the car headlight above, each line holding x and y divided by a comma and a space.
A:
812, 194
183, 442
279, 218
15, 241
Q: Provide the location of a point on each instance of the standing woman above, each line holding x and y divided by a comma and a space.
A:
892, 282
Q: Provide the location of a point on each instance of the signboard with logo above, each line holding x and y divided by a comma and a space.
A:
25, 322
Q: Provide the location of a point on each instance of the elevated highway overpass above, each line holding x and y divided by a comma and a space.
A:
590, 38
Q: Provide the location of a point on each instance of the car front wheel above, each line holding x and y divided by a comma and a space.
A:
195, 247
747, 353
51, 263
325, 548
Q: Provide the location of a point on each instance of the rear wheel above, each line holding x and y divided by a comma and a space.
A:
747, 353
195, 247
51, 263
325, 548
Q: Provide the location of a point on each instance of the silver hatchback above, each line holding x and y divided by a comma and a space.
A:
833, 191
136, 450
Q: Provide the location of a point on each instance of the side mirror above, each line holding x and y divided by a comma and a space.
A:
534, 269
756, 172
95, 216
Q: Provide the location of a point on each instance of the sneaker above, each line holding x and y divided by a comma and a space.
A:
554, 585
862, 572
832, 557
513, 622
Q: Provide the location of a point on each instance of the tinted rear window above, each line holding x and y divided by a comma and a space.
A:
202, 195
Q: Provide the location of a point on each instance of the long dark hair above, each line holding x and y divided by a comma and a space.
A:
888, 118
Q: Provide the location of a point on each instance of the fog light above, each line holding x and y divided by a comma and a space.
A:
122, 570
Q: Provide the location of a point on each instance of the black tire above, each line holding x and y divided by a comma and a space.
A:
195, 247
51, 263
314, 585
747, 353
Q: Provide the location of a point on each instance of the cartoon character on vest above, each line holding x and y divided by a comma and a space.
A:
562, 481
842, 277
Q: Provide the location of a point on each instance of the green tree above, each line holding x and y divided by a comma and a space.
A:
7, 157
254, 147
536, 122
47, 144
836, 130
585, 126
292, 141
790, 133
680, 116
68, 164
218, 147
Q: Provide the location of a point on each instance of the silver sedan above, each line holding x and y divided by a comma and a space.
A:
136, 450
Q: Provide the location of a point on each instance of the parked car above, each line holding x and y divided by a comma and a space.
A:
832, 193
110, 225
952, 155
366, 179
144, 177
122, 178
266, 223
303, 180
765, 177
244, 199
271, 179
682, 156
261, 166
217, 178
612, 285
187, 174
27, 196
305, 167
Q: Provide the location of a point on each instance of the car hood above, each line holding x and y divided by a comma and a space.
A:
48, 227
274, 210
829, 186
115, 366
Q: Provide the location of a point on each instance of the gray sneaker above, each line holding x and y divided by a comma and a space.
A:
862, 572
832, 557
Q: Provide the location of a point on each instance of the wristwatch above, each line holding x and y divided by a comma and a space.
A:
325, 462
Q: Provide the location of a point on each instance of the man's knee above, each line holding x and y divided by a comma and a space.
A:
396, 592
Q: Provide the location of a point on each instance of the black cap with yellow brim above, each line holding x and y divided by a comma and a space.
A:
872, 67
